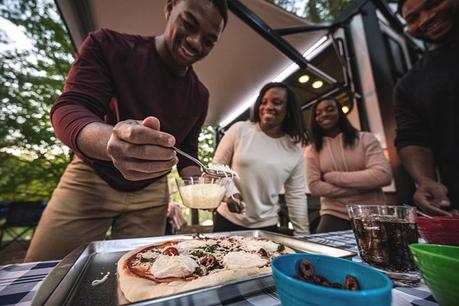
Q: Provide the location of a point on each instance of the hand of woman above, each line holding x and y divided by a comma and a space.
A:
235, 204
175, 216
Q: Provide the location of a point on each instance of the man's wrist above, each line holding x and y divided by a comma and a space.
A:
424, 180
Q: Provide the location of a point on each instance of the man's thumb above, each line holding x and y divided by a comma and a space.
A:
151, 122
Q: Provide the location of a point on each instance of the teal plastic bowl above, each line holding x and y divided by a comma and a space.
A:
375, 286
439, 265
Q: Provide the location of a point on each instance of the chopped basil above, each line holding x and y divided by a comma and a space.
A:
143, 259
280, 247
211, 248
216, 265
198, 253
198, 270
208, 248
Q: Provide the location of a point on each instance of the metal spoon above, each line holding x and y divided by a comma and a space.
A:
424, 214
207, 170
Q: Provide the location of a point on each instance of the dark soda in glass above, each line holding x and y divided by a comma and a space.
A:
383, 242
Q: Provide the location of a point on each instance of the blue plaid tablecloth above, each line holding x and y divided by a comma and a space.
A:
19, 282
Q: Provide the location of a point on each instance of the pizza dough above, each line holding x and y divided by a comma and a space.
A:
177, 266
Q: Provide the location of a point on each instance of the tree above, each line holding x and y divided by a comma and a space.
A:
206, 145
32, 160
314, 10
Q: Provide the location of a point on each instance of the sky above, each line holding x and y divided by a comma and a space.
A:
16, 36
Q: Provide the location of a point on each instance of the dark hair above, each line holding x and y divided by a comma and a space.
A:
293, 123
400, 6
222, 7
350, 133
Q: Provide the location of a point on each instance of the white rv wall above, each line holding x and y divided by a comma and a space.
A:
368, 85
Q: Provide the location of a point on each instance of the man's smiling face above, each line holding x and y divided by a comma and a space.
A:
193, 28
430, 20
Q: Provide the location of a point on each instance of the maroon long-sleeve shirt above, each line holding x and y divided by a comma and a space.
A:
117, 77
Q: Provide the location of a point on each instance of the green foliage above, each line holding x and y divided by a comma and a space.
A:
31, 160
314, 10
206, 145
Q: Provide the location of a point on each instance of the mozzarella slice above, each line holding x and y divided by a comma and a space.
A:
243, 260
188, 245
173, 266
253, 245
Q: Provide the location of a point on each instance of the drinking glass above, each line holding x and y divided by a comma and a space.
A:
383, 234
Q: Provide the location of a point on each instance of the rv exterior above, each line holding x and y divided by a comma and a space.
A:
365, 51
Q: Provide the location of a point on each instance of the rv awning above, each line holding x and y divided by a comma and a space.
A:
235, 70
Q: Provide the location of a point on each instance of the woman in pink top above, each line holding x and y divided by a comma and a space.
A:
343, 166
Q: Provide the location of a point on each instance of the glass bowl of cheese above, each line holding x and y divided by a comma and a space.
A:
201, 192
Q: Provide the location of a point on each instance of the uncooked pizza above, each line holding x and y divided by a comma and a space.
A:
177, 266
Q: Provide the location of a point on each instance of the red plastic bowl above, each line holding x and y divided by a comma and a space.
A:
439, 230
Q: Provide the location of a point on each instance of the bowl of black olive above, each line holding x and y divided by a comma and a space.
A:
312, 279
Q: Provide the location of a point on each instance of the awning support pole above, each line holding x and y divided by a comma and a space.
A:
257, 24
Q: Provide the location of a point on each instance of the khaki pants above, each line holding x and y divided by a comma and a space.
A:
83, 207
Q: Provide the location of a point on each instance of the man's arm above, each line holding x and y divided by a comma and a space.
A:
413, 144
93, 138
420, 164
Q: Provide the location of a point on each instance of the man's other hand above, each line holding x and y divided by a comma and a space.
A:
431, 197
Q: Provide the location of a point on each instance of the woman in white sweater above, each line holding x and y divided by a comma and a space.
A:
267, 155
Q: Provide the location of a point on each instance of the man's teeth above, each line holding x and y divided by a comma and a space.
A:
188, 52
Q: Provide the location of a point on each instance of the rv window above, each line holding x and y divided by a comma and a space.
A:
396, 57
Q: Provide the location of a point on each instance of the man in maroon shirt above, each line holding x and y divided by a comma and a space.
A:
127, 100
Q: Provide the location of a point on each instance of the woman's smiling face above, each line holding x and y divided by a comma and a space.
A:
273, 107
326, 115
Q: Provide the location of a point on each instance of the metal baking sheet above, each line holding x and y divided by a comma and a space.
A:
69, 283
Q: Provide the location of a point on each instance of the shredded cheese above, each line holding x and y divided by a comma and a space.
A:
202, 195
100, 281
223, 169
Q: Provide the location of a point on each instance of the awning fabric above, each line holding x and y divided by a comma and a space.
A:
235, 70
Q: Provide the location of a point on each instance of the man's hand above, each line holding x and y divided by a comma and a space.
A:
139, 150
431, 196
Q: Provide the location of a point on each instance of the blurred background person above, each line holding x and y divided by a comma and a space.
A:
343, 166
175, 220
426, 106
266, 153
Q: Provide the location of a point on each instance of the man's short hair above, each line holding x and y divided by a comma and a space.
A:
222, 7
